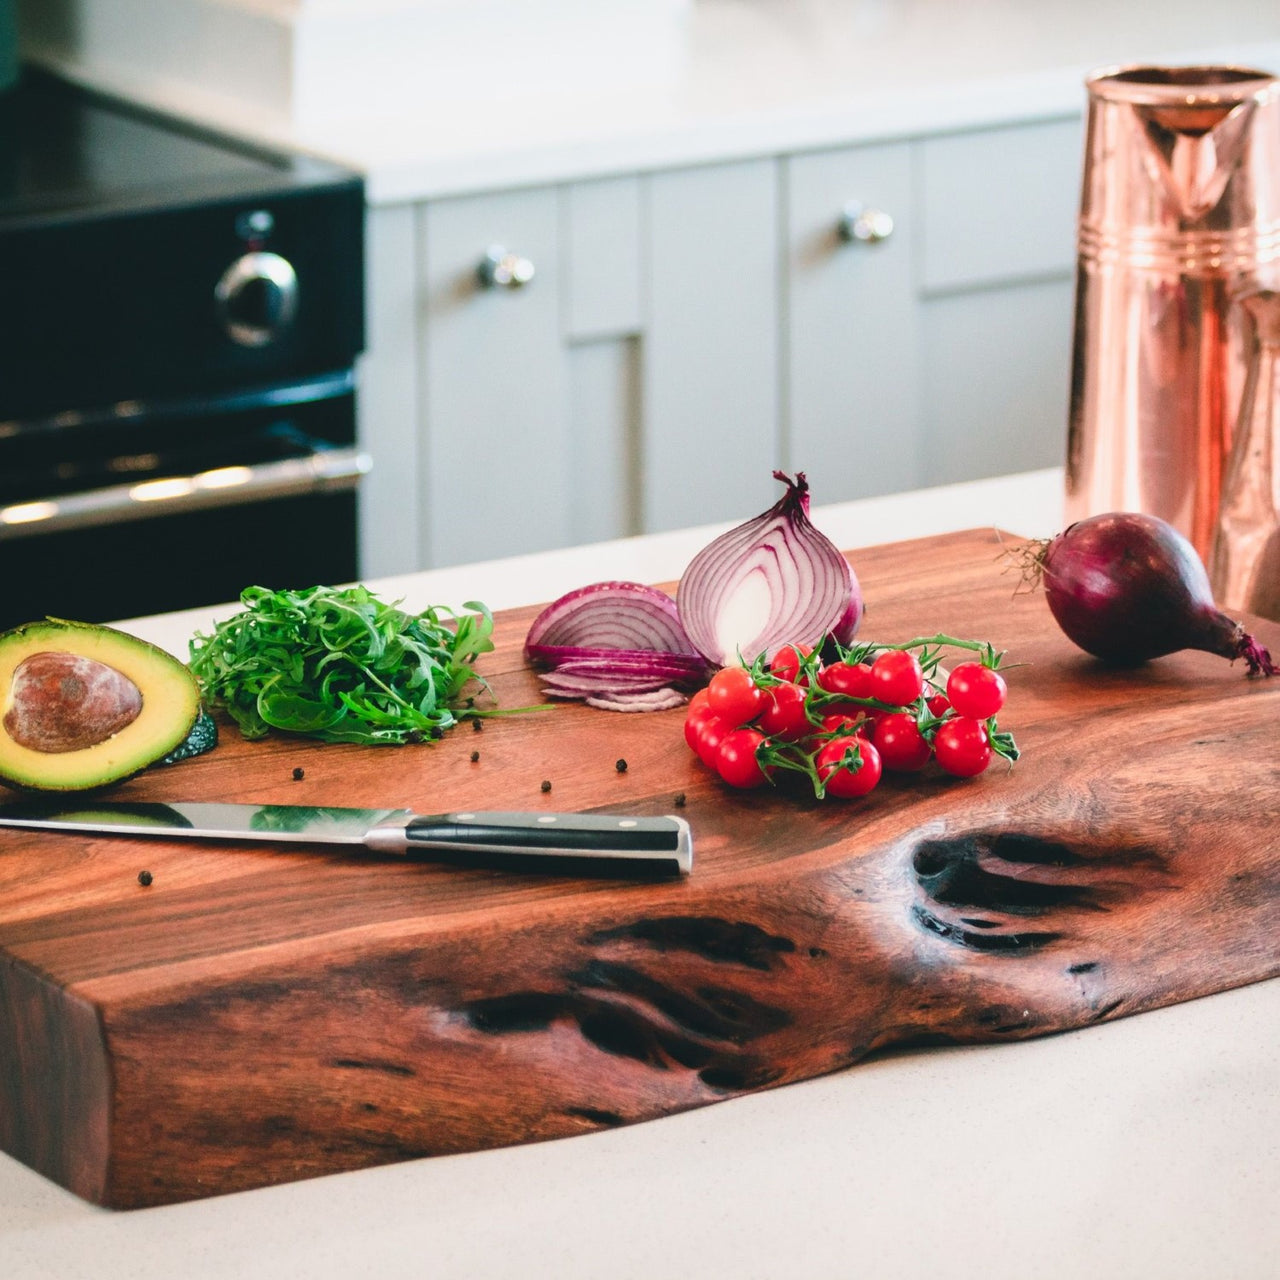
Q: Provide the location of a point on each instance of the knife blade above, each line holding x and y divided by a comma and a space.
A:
592, 843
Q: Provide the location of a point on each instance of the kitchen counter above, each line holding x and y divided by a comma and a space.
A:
1147, 1146
733, 78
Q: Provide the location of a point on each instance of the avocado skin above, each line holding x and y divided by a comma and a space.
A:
203, 737
170, 710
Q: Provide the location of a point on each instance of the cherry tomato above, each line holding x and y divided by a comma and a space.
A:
734, 696
900, 743
707, 740
696, 712
840, 775
736, 760
937, 704
784, 715
847, 678
976, 691
896, 677
785, 664
962, 746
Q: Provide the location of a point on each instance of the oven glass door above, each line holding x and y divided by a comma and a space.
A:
148, 510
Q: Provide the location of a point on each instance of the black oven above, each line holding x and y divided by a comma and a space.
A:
180, 316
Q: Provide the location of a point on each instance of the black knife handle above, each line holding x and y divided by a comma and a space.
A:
592, 843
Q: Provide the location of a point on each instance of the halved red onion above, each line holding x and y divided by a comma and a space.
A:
772, 581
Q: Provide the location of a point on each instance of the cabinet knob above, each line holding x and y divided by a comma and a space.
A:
501, 269
862, 225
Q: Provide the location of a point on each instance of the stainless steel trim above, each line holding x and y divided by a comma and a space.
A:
323, 471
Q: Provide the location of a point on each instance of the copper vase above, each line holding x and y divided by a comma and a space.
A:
1179, 218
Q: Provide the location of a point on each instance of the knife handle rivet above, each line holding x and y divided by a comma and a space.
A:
547, 817
627, 822
464, 817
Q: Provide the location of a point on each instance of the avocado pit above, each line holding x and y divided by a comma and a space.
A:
68, 702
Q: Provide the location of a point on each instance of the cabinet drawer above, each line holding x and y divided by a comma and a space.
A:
998, 205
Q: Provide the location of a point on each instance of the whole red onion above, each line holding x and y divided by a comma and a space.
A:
1128, 587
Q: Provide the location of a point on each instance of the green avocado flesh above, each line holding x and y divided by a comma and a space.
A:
82, 706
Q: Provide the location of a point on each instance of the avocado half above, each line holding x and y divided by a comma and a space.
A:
82, 706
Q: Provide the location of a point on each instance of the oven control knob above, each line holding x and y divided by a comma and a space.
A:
257, 298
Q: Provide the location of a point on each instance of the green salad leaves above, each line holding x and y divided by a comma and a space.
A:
340, 665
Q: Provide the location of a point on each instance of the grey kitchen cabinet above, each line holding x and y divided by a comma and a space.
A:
688, 330
928, 309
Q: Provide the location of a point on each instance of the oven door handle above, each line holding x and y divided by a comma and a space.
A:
325, 470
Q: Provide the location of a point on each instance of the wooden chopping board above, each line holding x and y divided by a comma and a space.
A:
260, 1015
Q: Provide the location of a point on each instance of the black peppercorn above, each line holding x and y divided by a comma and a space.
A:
620, 765
679, 800
475, 755
477, 725
299, 774
144, 878
546, 786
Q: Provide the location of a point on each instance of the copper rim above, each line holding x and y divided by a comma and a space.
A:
1159, 86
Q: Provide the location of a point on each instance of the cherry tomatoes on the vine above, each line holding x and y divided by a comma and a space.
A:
900, 743
848, 766
734, 696
784, 715
962, 746
736, 761
976, 691
896, 677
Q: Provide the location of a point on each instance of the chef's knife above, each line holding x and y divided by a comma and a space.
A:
594, 843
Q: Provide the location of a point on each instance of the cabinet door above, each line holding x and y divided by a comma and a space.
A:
528, 396
493, 416
710, 362
851, 336
997, 210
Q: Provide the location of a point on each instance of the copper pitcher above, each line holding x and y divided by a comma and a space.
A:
1179, 218
1244, 563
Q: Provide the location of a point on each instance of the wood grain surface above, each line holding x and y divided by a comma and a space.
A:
257, 1015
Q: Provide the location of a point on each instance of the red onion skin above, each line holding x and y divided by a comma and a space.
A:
1128, 587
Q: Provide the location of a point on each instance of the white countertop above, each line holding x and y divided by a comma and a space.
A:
1140, 1148
739, 78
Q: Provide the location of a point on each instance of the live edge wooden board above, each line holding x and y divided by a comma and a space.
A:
260, 1015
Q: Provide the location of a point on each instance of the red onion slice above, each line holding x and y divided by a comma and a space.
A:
611, 615
674, 666
662, 700
772, 581
617, 645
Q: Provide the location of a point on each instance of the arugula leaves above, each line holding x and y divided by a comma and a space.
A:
340, 665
